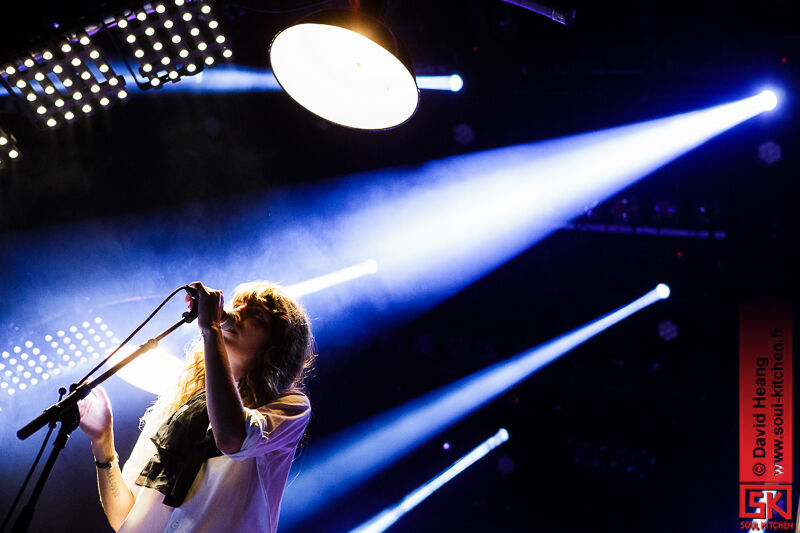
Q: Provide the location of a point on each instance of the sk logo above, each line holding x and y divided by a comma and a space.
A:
770, 502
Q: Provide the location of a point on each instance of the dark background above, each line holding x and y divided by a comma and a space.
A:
627, 432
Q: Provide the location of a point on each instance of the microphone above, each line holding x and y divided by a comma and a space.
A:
228, 319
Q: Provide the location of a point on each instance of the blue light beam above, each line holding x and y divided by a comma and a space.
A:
346, 460
238, 79
769, 99
452, 83
447, 223
434, 228
157, 370
384, 520
320, 283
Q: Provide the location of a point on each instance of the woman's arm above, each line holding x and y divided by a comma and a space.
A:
225, 409
115, 496
97, 423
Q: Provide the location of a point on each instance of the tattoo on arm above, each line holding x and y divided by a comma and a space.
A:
112, 484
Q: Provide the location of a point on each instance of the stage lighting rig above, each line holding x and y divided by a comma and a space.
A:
61, 82
8, 148
170, 40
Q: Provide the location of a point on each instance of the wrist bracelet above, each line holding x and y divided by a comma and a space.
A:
106, 466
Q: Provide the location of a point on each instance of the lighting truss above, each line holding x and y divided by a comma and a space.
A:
172, 39
8, 148
61, 82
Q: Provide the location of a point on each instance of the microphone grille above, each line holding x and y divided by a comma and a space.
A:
229, 320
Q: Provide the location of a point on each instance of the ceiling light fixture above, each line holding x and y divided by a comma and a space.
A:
346, 67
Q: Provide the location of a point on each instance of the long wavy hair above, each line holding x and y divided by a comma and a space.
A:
285, 363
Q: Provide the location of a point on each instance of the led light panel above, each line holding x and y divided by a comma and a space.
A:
59, 83
170, 40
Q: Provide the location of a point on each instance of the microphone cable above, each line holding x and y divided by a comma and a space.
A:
135, 331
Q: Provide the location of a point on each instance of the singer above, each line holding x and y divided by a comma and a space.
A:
214, 455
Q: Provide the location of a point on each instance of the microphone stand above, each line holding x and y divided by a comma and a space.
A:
66, 412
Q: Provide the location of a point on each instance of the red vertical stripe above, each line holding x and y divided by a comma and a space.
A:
765, 394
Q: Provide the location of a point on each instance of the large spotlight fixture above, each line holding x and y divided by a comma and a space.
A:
70, 79
347, 68
8, 148
172, 39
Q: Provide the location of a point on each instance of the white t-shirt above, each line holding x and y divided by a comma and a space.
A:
239, 492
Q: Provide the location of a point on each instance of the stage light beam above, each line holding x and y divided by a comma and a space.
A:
662, 291
156, 371
453, 83
334, 278
768, 100
441, 225
384, 520
339, 464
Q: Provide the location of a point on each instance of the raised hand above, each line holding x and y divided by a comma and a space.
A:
96, 416
209, 305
